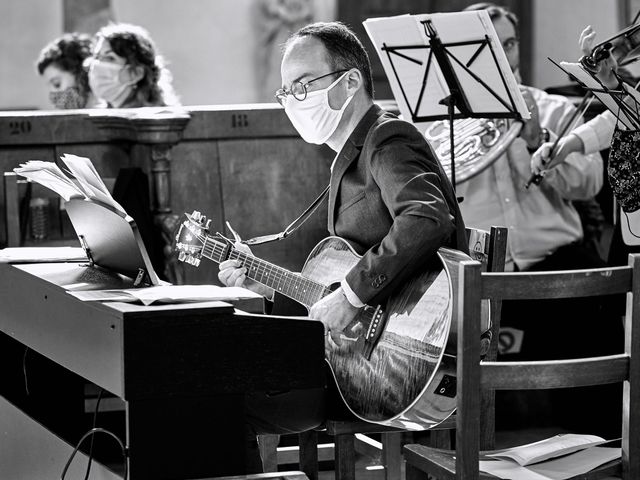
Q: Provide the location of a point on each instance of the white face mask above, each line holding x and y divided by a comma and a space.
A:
313, 118
104, 80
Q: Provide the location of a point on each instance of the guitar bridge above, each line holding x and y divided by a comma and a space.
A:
376, 326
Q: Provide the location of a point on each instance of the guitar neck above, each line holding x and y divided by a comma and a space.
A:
290, 284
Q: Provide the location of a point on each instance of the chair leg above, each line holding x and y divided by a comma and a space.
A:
345, 457
308, 463
392, 455
414, 473
268, 445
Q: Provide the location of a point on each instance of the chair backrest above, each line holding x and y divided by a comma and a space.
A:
474, 375
18, 194
490, 249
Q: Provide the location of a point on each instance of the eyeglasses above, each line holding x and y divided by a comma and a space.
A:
299, 89
509, 44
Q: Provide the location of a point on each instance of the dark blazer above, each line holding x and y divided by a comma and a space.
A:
392, 201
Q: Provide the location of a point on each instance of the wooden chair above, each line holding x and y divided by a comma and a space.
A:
474, 375
489, 248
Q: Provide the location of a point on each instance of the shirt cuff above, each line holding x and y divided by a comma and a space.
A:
351, 296
589, 138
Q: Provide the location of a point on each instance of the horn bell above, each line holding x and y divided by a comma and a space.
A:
478, 142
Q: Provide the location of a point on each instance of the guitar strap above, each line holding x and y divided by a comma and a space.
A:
293, 226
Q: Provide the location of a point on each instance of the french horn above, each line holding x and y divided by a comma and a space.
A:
478, 142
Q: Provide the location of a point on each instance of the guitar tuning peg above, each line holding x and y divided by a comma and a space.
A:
196, 215
196, 262
207, 224
203, 219
182, 256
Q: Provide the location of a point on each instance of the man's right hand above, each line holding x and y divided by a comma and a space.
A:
606, 67
541, 159
232, 274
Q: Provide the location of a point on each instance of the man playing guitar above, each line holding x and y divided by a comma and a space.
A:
389, 197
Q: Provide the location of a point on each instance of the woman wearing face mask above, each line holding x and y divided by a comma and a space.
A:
126, 70
60, 64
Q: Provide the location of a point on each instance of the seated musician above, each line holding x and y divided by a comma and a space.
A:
545, 233
389, 196
597, 134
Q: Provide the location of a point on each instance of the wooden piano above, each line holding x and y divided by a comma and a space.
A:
181, 370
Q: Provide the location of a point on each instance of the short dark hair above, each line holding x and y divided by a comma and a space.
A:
344, 49
68, 53
495, 12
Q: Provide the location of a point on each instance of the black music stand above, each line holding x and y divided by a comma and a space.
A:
111, 240
459, 84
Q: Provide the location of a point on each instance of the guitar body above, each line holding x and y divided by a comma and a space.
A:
408, 381
396, 362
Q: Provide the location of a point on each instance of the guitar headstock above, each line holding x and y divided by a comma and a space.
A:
191, 237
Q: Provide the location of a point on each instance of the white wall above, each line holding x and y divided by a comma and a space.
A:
25, 27
208, 44
557, 27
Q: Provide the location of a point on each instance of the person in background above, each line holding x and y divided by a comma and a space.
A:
61, 65
126, 70
545, 234
597, 134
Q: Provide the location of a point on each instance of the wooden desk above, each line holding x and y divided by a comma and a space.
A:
183, 370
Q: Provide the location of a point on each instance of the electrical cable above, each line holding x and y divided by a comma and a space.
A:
93, 425
91, 432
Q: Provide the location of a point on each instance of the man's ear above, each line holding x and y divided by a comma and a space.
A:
354, 81
135, 74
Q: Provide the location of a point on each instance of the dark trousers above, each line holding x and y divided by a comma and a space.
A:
556, 329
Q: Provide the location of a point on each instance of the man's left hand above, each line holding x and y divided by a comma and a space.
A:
335, 312
531, 131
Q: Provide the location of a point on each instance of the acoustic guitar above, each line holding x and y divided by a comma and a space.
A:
396, 365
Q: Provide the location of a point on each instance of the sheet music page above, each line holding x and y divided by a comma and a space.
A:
495, 73
49, 175
562, 468
586, 79
166, 294
87, 176
406, 68
548, 448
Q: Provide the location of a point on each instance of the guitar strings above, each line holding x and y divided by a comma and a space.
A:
298, 285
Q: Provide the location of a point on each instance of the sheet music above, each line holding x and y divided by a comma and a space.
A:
404, 50
49, 175
587, 80
471, 26
87, 183
410, 65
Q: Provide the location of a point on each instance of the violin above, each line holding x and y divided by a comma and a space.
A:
624, 46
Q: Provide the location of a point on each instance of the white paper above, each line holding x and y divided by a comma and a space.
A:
87, 183
42, 254
406, 68
548, 448
561, 468
166, 294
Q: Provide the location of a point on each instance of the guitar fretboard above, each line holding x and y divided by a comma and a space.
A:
293, 285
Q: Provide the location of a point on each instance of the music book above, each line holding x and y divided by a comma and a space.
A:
556, 458
108, 236
42, 254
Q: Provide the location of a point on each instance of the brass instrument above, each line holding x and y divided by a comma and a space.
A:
478, 143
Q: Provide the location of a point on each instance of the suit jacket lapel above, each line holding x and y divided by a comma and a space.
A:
347, 155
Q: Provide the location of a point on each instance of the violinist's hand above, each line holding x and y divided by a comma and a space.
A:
541, 160
586, 40
232, 274
606, 67
336, 313
531, 131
